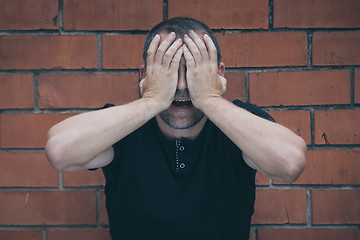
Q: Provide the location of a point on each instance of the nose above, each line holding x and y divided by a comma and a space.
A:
182, 84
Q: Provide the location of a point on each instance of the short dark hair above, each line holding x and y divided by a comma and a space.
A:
181, 26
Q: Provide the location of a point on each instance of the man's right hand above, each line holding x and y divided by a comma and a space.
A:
161, 75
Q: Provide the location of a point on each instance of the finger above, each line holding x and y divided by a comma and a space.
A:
200, 45
169, 55
152, 50
211, 48
193, 49
175, 62
164, 47
190, 62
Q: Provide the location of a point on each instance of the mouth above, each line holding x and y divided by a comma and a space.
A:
182, 103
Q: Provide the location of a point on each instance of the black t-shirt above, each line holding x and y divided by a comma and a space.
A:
181, 189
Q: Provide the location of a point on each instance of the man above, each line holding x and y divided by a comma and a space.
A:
179, 162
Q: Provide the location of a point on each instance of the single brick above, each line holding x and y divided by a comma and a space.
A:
335, 206
103, 212
300, 88
48, 52
26, 170
336, 48
21, 234
28, 15
78, 234
264, 49
122, 51
307, 233
112, 14
280, 207
235, 88
357, 86
27, 130
86, 90
316, 14
296, 121
332, 167
337, 126
225, 14
16, 91
83, 178
48, 207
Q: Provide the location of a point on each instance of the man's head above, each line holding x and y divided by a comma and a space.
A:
181, 26
181, 114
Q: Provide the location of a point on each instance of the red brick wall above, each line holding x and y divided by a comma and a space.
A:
298, 60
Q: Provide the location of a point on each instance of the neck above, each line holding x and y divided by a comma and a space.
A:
190, 133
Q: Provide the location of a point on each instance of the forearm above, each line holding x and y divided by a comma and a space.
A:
77, 140
274, 149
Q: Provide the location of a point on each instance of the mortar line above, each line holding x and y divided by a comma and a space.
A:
99, 50
271, 14
61, 187
165, 9
308, 208
44, 234
309, 48
247, 89
61, 19
312, 127
36, 104
352, 88
97, 207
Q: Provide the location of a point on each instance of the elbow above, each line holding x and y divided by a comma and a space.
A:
54, 151
295, 163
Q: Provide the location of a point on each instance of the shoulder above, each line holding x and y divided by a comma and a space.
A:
253, 109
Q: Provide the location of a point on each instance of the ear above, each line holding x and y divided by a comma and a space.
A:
221, 72
221, 69
142, 72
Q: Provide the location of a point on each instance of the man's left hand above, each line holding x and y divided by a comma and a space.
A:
202, 75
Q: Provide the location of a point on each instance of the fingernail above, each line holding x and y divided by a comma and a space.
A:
172, 34
186, 36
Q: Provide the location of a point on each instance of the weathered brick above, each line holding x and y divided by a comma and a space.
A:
335, 206
86, 90
307, 233
296, 121
316, 13
357, 86
333, 167
103, 212
264, 49
48, 52
28, 15
26, 170
112, 14
235, 88
300, 88
336, 48
337, 126
78, 234
48, 207
122, 51
83, 178
225, 14
16, 91
280, 206
27, 130
21, 234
